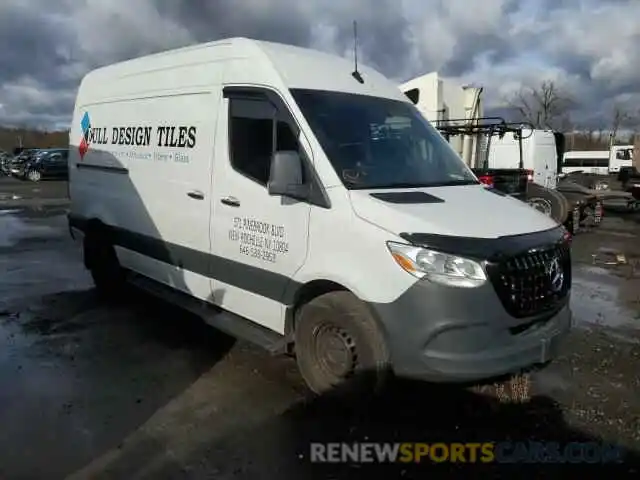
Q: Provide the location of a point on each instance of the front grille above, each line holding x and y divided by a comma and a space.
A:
525, 283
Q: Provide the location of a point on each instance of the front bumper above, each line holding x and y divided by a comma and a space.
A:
444, 334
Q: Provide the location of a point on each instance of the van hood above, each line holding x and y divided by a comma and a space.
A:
460, 211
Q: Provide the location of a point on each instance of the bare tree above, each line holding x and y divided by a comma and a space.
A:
546, 106
622, 118
31, 138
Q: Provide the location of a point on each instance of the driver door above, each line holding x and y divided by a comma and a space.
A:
259, 241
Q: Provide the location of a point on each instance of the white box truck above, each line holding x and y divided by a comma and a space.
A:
310, 209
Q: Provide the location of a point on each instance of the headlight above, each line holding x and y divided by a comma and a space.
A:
438, 267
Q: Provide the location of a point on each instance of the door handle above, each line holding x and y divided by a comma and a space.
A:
196, 194
231, 201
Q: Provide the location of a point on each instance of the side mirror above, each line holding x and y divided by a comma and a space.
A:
285, 176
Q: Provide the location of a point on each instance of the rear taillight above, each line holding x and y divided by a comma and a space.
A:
486, 180
530, 175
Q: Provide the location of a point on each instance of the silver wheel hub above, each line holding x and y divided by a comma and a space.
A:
335, 350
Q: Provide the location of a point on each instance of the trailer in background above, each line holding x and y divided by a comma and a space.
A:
508, 161
589, 161
513, 158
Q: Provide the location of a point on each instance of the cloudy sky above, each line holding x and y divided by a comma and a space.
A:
589, 47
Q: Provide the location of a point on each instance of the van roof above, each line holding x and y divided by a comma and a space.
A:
286, 66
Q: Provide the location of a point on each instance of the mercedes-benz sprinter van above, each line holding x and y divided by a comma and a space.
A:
311, 209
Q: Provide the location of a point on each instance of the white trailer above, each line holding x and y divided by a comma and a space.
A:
443, 100
539, 155
588, 161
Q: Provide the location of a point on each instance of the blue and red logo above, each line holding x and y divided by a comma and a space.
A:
85, 123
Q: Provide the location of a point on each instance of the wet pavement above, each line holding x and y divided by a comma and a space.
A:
140, 389
20, 193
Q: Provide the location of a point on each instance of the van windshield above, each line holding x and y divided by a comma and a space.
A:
377, 143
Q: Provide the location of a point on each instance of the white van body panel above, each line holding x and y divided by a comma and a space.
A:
538, 155
338, 237
462, 218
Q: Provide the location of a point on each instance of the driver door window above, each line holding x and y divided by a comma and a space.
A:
256, 133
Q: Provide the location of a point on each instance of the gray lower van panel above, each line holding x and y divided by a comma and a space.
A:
447, 334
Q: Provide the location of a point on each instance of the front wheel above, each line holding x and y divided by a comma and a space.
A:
338, 344
34, 175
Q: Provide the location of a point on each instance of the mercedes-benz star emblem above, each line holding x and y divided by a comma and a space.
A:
556, 275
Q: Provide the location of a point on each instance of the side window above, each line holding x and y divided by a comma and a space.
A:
256, 133
573, 162
251, 137
285, 138
624, 154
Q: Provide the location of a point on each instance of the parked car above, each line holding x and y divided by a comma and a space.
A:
50, 163
5, 158
16, 164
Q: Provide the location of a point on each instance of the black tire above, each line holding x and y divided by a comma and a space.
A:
549, 202
339, 320
102, 262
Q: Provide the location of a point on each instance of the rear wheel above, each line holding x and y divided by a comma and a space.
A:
338, 344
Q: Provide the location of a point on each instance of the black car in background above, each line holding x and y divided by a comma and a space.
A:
16, 164
46, 163
5, 159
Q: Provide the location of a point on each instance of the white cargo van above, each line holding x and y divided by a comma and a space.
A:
539, 155
312, 211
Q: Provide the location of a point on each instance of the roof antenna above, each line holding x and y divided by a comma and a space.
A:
356, 74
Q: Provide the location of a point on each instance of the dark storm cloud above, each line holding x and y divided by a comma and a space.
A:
48, 45
383, 36
30, 43
281, 21
382, 29
494, 48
